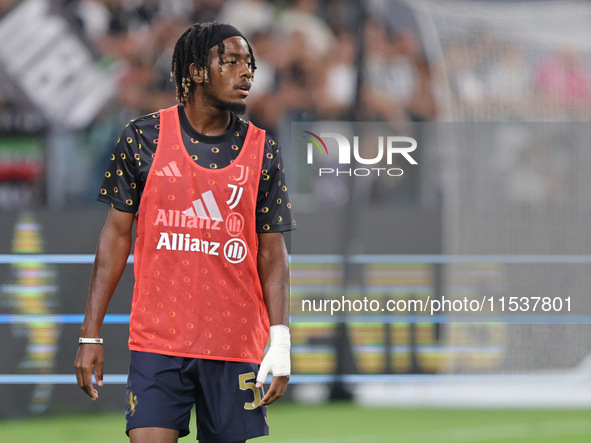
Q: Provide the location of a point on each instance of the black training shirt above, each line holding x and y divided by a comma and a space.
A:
132, 158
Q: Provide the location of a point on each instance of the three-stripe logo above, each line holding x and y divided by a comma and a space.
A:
207, 201
171, 170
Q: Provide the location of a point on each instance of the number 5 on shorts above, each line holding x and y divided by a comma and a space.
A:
245, 385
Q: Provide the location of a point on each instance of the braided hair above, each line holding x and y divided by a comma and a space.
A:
192, 48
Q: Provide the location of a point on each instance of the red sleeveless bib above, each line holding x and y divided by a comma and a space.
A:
197, 292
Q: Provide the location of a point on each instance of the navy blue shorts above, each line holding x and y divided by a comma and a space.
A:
161, 391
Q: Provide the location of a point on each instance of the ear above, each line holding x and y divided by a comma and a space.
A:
199, 76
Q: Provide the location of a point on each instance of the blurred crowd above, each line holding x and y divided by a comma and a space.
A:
307, 59
305, 52
496, 79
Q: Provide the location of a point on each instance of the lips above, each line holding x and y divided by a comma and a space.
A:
243, 88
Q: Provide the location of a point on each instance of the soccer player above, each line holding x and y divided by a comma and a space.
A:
208, 194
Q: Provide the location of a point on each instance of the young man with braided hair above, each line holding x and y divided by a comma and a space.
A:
208, 193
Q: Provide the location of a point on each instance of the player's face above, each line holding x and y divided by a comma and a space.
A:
230, 85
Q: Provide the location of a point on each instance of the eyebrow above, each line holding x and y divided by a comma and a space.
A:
238, 54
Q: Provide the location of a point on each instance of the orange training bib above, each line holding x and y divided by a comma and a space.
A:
197, 292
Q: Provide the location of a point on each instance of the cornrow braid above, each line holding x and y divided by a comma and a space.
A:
191, 48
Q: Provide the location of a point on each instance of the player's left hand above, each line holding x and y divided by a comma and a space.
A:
276, 361
276, 390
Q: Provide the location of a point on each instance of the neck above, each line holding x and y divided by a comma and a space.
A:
205, 118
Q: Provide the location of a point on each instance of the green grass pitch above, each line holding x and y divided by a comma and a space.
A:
332, 423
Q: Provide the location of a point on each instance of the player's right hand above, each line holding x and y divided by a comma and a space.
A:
277, 361
89, 356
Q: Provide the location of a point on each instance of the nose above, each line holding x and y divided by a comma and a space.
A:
245, 70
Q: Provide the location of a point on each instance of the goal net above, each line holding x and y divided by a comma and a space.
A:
513, 87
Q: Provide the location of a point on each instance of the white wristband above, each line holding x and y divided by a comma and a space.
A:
84, 341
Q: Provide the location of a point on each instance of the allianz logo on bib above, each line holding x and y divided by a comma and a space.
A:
184, 242
204, 214
234, 250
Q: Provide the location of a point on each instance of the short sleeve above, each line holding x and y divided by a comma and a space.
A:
120, 187
274, 212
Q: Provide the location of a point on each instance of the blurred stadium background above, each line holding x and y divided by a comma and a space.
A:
498, 96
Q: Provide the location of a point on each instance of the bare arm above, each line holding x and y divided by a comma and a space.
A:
274, 275
113, 249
